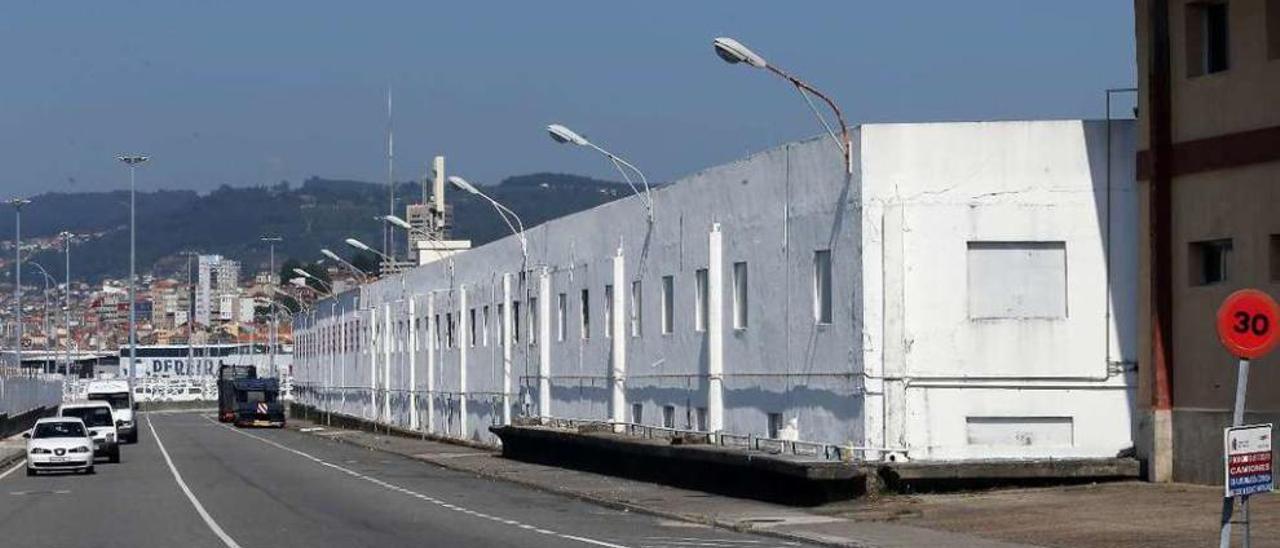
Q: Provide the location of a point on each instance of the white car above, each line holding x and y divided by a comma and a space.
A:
59, 443
101, 421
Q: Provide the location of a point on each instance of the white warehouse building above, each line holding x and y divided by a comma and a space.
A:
968, 292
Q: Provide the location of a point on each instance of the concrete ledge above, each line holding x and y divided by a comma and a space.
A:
788, 479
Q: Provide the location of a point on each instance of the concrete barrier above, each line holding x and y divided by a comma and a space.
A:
11, 425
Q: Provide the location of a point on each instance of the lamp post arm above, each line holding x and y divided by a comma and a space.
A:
844, 143
618, 162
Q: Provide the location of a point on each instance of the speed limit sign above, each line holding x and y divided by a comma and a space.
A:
1248, 323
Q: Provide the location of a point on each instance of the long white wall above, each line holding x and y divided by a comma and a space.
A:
897, 232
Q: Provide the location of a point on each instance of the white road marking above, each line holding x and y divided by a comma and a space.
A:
208, 520
418, 495
20, 464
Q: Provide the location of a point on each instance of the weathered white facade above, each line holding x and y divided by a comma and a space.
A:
948, 300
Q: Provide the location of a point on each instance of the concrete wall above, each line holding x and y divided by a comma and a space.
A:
898, 257
961, 381
20, 394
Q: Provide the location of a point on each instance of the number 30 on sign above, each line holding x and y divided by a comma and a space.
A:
1248, 323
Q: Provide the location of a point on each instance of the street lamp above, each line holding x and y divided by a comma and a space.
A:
364, 278
362, 247
132, 161
503, 211
733, 52
311, 276
17, 204
66, 298
47, 279
563, 134
271, 277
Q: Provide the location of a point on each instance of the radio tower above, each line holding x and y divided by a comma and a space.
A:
388, 234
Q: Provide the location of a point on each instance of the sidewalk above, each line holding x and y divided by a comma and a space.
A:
12, 450
672, 503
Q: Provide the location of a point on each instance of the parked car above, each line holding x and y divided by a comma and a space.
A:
59, 444
99, 418
117, 393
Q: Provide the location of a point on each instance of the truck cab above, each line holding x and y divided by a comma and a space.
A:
257, 403
119, 394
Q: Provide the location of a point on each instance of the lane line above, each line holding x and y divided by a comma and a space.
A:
15, 468
208, 520
415, 494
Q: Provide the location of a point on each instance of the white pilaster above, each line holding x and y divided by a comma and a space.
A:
618, 354
715, 330
544, 349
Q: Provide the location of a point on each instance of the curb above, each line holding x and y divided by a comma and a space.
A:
7, 462
599, 501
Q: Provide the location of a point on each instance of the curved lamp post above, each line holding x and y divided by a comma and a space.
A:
733, 52
328, 288
364, 278
562, 134
503, 211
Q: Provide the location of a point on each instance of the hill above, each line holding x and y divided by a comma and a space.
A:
319, 213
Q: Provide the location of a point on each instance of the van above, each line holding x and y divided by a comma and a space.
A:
117, 393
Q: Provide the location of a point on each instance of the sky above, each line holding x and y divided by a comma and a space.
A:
250, 93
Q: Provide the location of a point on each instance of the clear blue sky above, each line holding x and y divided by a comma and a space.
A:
252, 92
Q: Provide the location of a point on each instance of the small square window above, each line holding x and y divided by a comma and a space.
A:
740, 295
1210, 261
668, 416
822, 286
608, 311
1275, 254
700, 307
1208, 38
775, 425
585, 305
562, 308
668, 302
1273, 29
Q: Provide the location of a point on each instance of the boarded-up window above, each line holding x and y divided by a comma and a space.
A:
1017, 280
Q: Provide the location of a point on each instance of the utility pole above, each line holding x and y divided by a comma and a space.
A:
191, 312
132, 162
17, 204
66, 301
275, 323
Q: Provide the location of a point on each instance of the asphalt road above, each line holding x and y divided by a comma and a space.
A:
197, 483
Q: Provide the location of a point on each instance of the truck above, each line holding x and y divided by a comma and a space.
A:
227, 375
118, 393
257, 403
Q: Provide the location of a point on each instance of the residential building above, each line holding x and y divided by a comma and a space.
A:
1209, 168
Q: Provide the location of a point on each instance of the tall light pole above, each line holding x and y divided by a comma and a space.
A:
66, 299
362, 275
733, 52
563, 134
191, 311
504, 211
362, 247
17, 204
47, 279
132, 161
271, 358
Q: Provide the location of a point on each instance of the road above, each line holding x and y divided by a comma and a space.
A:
193, 482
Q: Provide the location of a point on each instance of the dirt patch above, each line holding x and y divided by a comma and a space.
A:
1099, 515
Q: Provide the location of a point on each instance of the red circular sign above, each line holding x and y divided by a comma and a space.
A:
1248, 323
